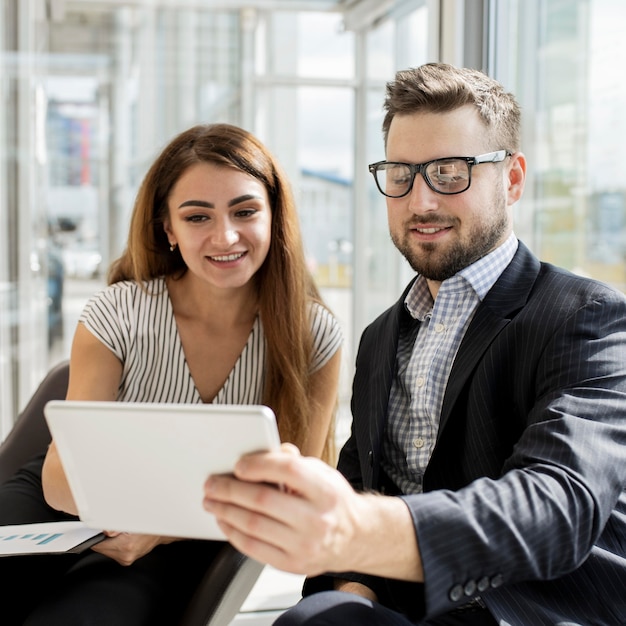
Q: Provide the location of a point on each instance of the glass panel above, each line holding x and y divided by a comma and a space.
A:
573, 213
102, 86
380, 52
311, 45
7, 285
23, 242
385, 271
89, 96
325, 158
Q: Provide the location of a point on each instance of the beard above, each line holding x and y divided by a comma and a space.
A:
438, 263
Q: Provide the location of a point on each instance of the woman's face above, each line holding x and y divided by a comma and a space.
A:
220, 219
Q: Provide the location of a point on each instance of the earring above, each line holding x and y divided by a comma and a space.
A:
172, 247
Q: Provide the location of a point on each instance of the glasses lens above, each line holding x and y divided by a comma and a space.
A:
448, 175
394, 179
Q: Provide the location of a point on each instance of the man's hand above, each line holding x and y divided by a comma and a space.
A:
300, 515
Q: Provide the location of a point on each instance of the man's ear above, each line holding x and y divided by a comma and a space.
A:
516, 176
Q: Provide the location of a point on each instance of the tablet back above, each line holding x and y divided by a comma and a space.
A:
141, 467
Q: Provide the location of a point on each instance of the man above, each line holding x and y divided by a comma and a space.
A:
485, 474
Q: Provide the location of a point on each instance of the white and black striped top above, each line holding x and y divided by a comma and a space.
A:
138, 325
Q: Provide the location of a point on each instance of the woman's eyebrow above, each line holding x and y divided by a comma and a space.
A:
202, 203
244, 198
210, 205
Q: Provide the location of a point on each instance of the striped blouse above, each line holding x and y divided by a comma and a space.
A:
139, 327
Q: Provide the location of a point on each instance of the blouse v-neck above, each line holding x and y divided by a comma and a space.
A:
247, 370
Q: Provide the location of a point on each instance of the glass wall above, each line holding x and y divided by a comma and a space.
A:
563, 60
91, 90
396, 43
90, 93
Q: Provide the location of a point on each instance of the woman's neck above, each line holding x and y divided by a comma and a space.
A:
195, 299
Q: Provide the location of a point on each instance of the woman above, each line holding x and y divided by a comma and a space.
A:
210, 302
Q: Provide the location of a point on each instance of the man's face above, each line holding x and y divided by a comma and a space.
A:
439, 235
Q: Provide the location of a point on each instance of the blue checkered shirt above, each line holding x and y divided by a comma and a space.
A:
425, 356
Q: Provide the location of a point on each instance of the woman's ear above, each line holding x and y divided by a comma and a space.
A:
167, 227
516, 176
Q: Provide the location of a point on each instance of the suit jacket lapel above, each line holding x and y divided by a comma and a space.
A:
371, 393
504, 300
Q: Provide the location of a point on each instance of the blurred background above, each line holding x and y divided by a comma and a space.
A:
91, 90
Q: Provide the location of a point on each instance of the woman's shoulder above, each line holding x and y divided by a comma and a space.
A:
322, 312
122, 297
133, 289
327, 335
324, 322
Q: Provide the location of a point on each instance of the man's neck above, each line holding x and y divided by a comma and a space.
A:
433, 287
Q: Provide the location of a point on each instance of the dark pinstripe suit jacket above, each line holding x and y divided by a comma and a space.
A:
525, 501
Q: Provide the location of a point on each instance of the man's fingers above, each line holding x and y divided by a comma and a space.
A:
267, 499
285, 468
278, 556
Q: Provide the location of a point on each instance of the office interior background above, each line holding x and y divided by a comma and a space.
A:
91, 90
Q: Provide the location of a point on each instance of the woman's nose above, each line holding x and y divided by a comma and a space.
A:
225, 235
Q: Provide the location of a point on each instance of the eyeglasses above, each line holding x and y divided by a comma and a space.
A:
446, 176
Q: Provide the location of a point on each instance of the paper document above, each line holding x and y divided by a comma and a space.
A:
47, 538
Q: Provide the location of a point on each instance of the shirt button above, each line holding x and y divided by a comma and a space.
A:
439, 328
419, 381
418, 442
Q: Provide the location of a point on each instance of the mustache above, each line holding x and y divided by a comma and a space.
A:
431, 220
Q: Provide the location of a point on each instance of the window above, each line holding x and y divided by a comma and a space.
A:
563, 62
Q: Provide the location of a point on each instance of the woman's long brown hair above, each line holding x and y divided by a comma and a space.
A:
285, 286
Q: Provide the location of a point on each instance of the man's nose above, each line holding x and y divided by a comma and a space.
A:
421, 197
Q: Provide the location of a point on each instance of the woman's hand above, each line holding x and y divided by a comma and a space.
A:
126, 548
359, 589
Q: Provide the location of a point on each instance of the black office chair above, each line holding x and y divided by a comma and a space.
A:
229, 577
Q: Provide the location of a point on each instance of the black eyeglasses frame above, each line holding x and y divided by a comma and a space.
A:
420, 168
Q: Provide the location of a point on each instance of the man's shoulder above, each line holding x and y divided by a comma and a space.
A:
562, 283
530, 279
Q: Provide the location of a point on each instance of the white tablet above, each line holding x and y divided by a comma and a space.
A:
141, 467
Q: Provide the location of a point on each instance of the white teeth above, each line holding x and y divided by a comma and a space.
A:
227, 257
429, 231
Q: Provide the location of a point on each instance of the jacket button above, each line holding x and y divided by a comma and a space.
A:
497, 580
483, 584
470, 587
370, 458
456, 593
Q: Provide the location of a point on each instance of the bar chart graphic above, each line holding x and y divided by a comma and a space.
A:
47, 537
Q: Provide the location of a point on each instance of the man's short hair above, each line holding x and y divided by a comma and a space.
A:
441, 88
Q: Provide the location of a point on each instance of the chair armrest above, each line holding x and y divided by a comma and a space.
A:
30, 436
224, 588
